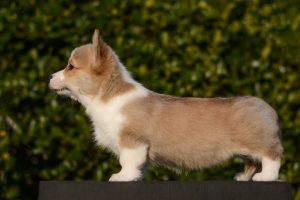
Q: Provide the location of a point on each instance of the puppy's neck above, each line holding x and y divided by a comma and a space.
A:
118, 83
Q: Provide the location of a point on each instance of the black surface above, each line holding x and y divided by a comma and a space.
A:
205, 190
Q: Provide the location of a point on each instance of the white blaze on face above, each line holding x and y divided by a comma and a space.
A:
57, 82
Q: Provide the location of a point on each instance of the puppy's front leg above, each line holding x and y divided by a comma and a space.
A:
132, 162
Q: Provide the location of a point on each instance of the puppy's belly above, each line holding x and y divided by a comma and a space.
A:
187, 156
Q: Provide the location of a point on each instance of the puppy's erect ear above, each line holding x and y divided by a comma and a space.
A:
100, 49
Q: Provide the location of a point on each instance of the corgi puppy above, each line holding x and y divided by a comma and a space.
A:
141, 126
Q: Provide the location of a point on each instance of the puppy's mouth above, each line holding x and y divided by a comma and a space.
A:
62, 90
66, 92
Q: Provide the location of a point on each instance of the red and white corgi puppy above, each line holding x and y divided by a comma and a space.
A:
141, 126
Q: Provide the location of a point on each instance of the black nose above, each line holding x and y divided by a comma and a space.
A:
50, 77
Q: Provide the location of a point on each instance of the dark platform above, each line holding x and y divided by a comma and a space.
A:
168, 190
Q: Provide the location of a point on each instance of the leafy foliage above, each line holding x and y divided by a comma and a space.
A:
189, 48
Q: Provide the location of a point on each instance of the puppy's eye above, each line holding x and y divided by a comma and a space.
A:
70, 67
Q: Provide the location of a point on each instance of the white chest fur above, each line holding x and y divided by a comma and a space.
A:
108, 119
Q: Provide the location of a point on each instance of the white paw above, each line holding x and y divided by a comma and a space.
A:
123, 176
264, 177
241, 177
270, 169
258, 177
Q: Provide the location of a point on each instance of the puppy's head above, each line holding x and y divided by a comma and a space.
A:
87, 69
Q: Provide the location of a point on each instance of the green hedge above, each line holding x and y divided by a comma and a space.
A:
193, 48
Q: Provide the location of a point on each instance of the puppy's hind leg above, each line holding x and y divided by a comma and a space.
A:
251, 167
270, 163
132, 162
270, 170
